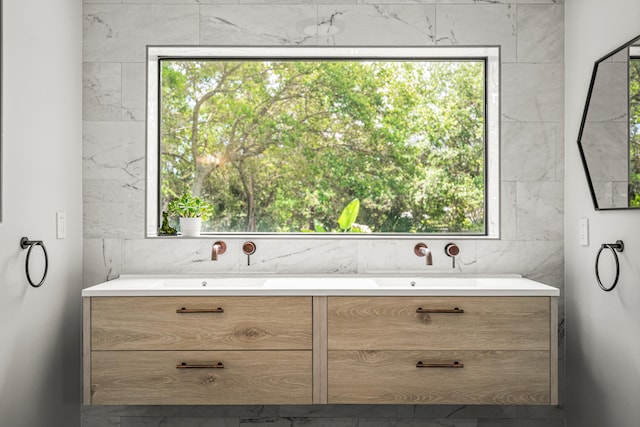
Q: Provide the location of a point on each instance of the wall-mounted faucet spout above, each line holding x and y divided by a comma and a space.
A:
422, 250
218, 249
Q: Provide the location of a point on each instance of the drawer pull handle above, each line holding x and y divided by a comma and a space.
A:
440, 365
183, 365
456, 310
200, 310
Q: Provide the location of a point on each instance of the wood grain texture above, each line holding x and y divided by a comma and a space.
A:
319, 349
86, 351
553, 302
248, 377
151, 323
391, 377
391, 323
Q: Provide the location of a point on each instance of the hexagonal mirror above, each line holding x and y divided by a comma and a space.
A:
609, 138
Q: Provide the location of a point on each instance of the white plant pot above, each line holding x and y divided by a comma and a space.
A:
190, 227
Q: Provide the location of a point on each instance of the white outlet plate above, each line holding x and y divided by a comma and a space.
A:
584, 231
61, 225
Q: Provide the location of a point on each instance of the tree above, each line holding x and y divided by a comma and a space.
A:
283, 145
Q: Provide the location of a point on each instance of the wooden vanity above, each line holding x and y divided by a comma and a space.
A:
199, 350
441, 350
319, 349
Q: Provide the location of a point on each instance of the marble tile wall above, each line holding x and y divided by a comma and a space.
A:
531, 36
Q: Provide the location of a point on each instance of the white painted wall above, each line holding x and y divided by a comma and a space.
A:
603, 343
42, 147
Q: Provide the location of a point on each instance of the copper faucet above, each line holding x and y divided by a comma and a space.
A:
422, 250
217, 249
452, 250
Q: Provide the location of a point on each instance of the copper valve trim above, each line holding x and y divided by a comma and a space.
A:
249, 248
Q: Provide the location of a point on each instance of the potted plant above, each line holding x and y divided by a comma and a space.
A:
191, 210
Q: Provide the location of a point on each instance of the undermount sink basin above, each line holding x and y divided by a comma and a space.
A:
337, 283
212, 283
427, 282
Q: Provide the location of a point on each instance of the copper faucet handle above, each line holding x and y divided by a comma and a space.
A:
452, 250
249, 248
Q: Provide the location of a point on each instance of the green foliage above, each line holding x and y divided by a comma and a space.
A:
283, 146
346, 221
349, 215
318, 228
188, 206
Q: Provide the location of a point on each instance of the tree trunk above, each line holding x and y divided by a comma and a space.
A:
202, 170
252, 205
202, 173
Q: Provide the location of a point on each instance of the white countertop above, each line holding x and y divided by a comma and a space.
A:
326, 285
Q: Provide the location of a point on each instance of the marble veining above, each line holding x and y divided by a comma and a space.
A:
540, 33
133, 91
122, 32
101, 91
112, 150
535, 92
487, 24
102, 260
97, 191
532, 148
377, 25
508, 210
539, 218
242, 25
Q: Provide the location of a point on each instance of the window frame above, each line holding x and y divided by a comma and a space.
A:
490, 54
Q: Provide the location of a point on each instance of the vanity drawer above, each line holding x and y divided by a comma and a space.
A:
203, 323
454, 323
487, 377
247, 377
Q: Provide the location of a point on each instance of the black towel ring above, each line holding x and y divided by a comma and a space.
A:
613, 247
26, 243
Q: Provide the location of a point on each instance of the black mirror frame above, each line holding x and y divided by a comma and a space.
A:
584, 120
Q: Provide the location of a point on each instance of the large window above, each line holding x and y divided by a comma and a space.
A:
281, 140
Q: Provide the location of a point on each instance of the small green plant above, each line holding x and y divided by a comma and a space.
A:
346, 221
188, 206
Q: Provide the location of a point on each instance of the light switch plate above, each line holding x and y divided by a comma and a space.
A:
584, 231
61, 225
